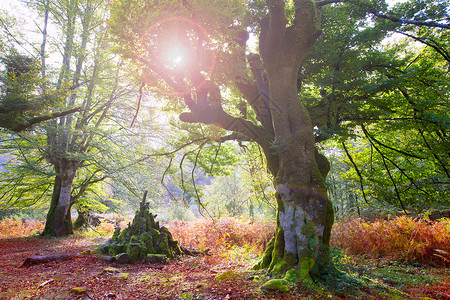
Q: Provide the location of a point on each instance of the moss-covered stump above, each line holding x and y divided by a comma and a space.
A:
143, 237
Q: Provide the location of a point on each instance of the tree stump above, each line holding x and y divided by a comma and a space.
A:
141, 238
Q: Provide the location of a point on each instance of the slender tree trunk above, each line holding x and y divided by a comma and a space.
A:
59, 222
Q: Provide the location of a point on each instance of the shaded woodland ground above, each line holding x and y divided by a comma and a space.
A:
412, 271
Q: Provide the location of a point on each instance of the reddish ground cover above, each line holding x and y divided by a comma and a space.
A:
233, 242
189, 278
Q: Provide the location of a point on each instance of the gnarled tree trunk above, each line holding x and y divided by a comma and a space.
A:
305, 214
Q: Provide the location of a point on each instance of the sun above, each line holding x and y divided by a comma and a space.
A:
176, 57
176, 47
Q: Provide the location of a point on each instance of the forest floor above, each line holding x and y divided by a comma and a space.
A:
187, 278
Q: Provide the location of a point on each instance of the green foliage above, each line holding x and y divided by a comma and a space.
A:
20, 98
388, 93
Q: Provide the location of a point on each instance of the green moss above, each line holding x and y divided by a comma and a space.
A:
133, 251
150, 221
288, 261
306, 264
276, 285
116, 234
148, 241
105, 248
155, 235
163, 245
293, 275
124, 235
156, 258
142, 250
176, 250
278, 248
329, 221
142, 237
229, 274
78, 290
110, 270
264, 262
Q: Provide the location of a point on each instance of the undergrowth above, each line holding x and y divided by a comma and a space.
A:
403, 239
224, 234
13, 228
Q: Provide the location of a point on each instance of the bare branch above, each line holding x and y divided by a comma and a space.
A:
33, 121
389, 17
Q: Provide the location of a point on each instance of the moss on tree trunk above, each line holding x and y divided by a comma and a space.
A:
300, 247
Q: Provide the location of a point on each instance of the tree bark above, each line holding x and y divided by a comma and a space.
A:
305, 214
59, 222
42, 259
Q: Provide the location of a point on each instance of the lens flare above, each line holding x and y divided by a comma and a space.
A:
176, 54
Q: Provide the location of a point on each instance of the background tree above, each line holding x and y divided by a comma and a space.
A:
77, 155
22, 101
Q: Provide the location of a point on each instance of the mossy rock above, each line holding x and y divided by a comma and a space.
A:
133, 251
78, 290
142, 237
147, 239
156, 258
110, 270
276, 285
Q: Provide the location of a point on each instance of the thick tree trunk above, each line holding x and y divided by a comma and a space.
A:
305, 214
59, 222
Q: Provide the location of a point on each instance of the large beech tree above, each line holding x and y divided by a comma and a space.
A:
195, 54
214, 39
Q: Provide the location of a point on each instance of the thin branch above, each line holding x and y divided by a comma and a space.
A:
411, 22
199, 201
326, 2
389, 17
182, 175
162, 179
411, 180
215, 157
397, 193
357, 171
139, 103
391, 148
442, 52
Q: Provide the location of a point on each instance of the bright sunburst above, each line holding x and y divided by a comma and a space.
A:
176, 57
